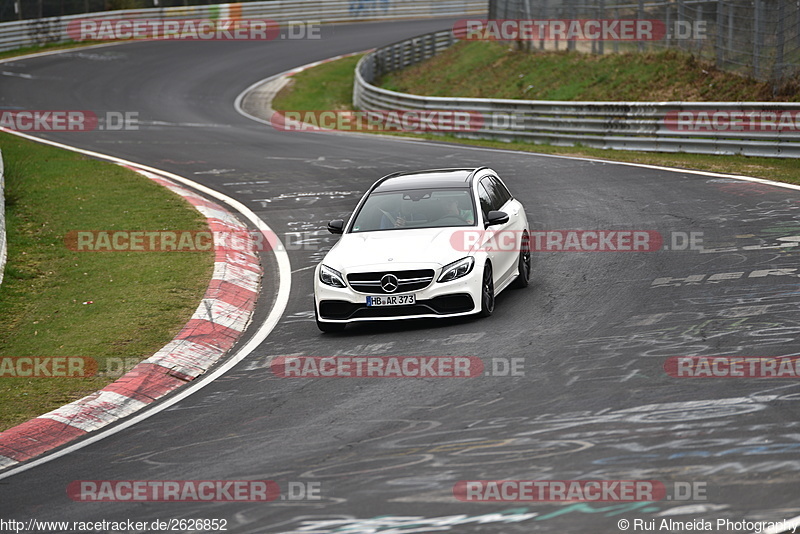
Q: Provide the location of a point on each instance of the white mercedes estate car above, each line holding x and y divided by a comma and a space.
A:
428, 244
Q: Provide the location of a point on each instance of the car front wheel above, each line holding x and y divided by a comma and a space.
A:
487, 292
524, 263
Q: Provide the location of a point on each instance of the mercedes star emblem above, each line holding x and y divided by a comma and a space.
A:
389, 283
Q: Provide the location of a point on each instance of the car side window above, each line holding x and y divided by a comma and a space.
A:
495, 200
486, 200
502, 192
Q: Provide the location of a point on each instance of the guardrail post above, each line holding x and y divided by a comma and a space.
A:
543, 15
640, 16
528, 43
572, 15
730, 28
756, 37
718, 38
668, 22
797, 25
777, 69
601, 16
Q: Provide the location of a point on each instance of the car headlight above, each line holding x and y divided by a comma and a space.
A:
331, 277
457, 269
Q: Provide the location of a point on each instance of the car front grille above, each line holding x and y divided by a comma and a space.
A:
412, 280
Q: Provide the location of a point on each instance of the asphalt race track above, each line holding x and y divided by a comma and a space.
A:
593, 330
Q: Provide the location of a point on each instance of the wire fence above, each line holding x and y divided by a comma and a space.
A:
758, 38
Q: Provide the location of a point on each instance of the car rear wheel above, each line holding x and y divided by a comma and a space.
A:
524, 264
487, 292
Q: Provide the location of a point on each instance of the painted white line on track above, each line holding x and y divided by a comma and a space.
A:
281, 301
304, 268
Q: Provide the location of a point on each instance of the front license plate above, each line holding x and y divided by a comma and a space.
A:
392, 300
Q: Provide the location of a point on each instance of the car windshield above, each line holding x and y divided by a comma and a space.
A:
416, 208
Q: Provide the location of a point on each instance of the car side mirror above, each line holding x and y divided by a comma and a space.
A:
496, 217
336, 226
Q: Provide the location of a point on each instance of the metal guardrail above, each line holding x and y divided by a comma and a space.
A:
54, 30
648, 126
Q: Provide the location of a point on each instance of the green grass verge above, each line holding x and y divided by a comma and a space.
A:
330, 86
140, 299
326, 86
667, 75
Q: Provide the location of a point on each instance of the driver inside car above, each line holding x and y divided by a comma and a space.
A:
393, 218
451, 209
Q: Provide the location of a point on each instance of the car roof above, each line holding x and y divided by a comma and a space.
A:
430, 179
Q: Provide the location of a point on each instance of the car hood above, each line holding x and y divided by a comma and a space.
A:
362, 250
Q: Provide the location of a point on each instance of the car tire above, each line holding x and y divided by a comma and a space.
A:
487, 292
328, 327
524, 264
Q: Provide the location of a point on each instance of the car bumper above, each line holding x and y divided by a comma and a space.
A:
449, 299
